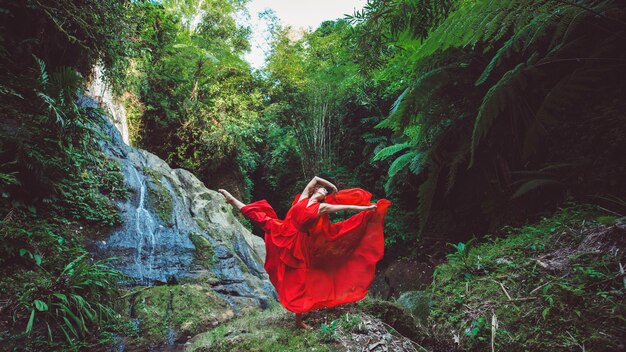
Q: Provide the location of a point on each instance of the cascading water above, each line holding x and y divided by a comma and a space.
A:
153, 244
153, 250
166, 210
145, 225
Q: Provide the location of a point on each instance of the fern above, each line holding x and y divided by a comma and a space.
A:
510, 48
389, 151
567, 91
541, 57
457, 159
508, 90
416, 164
533, 184
426, 194
400, 163
406, 108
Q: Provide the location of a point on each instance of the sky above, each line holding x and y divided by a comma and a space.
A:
294, 13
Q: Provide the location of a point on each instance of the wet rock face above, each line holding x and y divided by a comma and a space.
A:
175, 229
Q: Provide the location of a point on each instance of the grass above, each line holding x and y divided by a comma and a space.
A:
543, 286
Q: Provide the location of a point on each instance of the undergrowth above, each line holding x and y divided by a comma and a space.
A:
57, 189
554, 285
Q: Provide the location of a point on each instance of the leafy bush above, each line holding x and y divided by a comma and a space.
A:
57, 295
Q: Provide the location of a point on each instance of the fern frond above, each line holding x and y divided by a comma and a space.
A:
389, 151
416, 164
501, 95
533, 184
400, 163
525, 38
405, 110
426, 193
508, 49
566, 92
459, 157
65, 82
43, 74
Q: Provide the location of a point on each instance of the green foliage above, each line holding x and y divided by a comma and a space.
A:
519, 67
55, 162
76, 301
55, 180
545, 287
381, 22
329, 331
199, 100
312, 81
58, 295
86, 33
462, 253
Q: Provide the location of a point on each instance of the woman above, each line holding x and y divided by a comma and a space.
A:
312, 262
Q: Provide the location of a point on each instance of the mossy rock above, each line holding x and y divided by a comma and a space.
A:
417, 303
204, 253
269, 330
159, 197
186, 309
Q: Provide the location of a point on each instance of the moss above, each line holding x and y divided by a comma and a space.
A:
607, 219
159, 197
417, 303
205, 253
269, 330
187, 309
546, 293
176, 189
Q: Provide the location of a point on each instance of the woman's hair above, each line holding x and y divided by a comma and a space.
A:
315, 189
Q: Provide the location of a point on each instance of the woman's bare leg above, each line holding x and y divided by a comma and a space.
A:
230, 199
300, 323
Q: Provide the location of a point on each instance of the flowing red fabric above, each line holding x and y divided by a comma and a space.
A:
314, 263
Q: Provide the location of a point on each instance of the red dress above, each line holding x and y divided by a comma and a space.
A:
314, 263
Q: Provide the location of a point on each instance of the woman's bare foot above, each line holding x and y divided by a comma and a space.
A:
300, 324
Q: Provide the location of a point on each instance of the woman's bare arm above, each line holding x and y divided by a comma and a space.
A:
314, 181
326, 183
308, 188
333, 208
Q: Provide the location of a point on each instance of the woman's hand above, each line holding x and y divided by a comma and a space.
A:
326, 183
370, 207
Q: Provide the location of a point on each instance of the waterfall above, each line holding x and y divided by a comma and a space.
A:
166, 215
98, 89
145, 226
